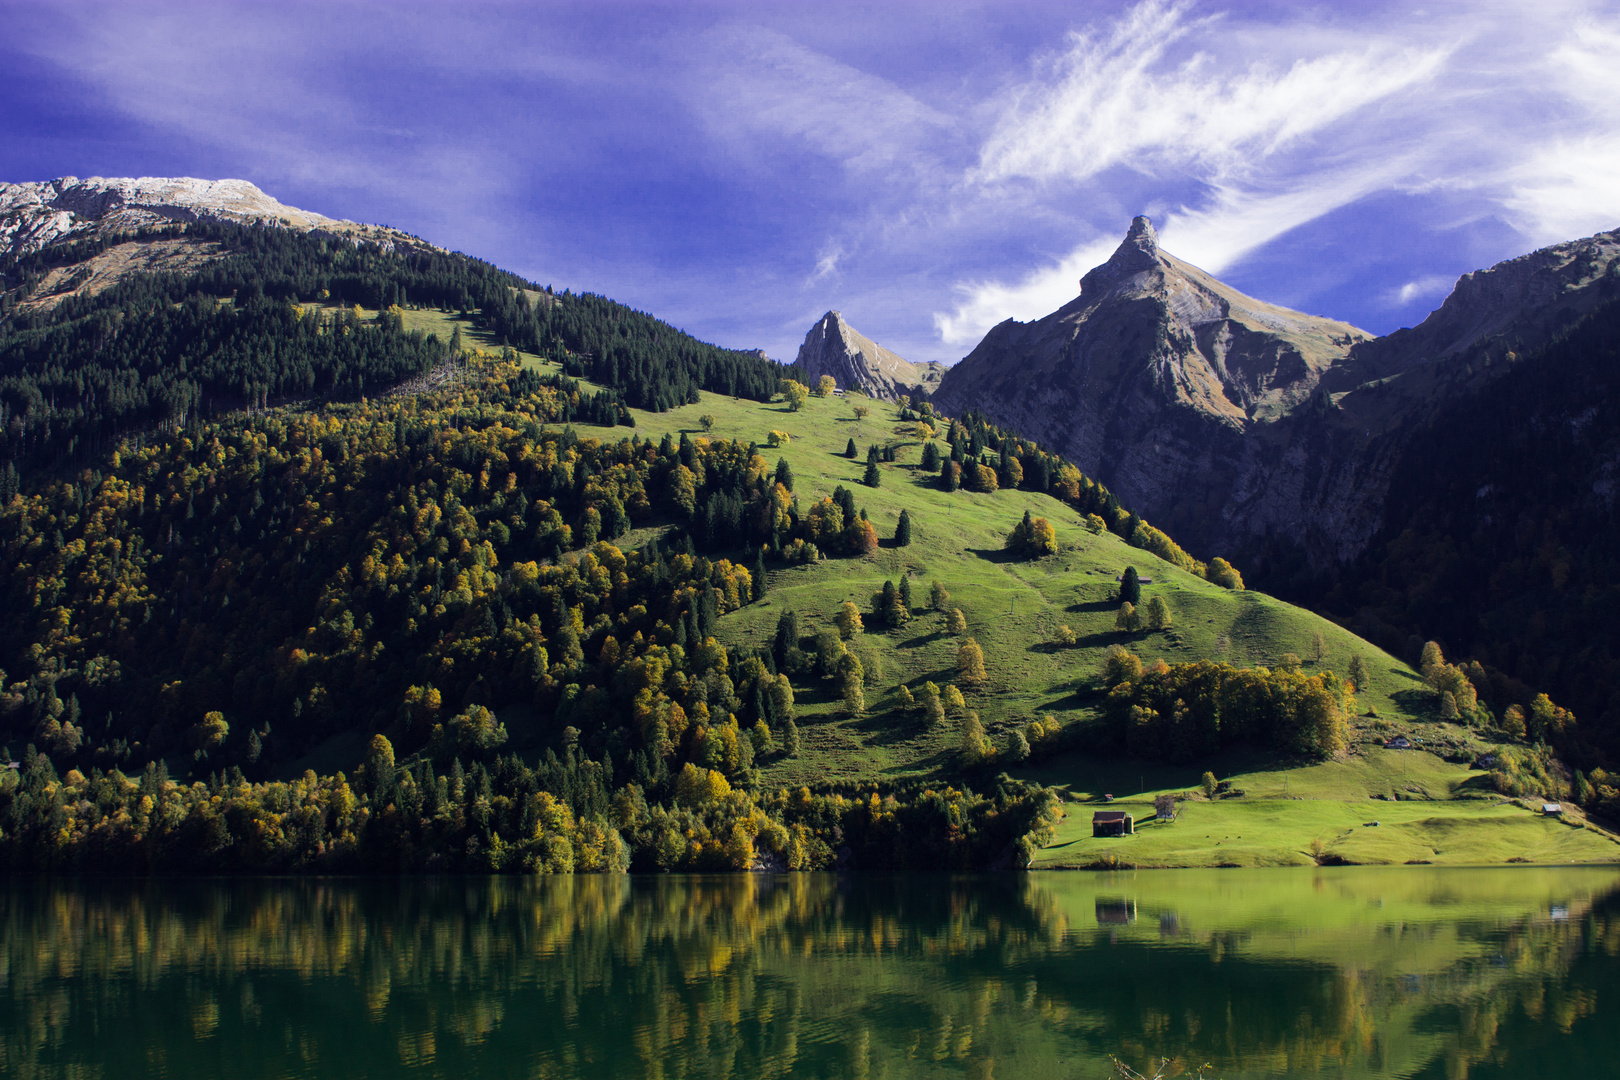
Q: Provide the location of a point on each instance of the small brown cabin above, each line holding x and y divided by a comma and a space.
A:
1112, 823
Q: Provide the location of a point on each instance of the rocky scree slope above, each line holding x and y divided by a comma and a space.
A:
856, 362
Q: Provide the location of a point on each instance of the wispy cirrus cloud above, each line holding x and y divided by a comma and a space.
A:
757, 83
1123, 98
927, 170
1234, 132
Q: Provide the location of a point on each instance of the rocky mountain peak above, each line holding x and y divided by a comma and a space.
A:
856, 362
1143, 235
1138, 254
39, 215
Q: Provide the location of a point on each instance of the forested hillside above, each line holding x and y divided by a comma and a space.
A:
298, 579
394, 567
156, 350
1501, 535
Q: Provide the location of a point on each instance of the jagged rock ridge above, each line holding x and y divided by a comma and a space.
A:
1242, 427
1152, 378
833, 347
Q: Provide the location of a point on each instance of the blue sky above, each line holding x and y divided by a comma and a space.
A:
929, 169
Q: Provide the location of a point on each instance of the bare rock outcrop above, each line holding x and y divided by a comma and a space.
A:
833, 347
1152, 379
1244, 428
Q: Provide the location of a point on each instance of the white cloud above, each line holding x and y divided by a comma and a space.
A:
1428, 285
987, 303
1568, 184
1237, 221
1118, 100
1250, 142
755, 82
827, 262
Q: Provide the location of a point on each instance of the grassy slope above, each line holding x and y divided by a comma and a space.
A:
1013, 609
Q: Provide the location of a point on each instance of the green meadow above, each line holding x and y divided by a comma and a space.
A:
1428, 809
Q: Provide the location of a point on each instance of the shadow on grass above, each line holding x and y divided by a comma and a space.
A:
815, 693
889, 727
1093, 605
1126, 638
938, 761
921, 641
1048, 648
1418, 704
1478, 787
998, 555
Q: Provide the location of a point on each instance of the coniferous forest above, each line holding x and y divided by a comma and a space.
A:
156, 350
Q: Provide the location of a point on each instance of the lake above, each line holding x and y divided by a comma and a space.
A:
1349, 972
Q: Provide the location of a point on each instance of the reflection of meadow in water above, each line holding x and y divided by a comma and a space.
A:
1356, 972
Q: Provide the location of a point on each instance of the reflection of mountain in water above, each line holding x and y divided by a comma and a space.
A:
1345, 974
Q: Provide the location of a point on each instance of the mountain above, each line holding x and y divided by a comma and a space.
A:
1155, 379
111, 324
139, 223
856, 362
1250, 429
396, 560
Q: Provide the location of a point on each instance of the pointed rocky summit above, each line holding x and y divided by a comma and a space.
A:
856, 362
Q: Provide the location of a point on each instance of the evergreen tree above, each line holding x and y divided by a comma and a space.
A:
930, 456
850, 451
784, 474
759, 573
1130, 586
905, 592
902, 530
790, 739
787, 635
872, 478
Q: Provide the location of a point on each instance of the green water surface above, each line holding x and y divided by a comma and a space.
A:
1353, 972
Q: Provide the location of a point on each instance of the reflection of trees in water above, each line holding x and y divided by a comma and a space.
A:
737, 976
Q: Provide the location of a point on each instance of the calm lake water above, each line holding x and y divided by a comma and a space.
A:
1400, 972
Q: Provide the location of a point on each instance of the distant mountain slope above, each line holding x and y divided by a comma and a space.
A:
1499, 525
123, 219
112, 322
1151, 379
1249, 429
833, 347
36, 215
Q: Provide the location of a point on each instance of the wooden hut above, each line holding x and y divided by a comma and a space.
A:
1112, 823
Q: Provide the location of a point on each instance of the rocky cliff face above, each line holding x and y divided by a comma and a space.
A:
1244, 428
833, 347
35, 216
1152, 379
